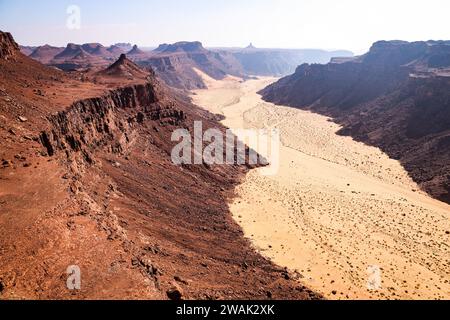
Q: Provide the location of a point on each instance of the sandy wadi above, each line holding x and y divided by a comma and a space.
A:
337, 209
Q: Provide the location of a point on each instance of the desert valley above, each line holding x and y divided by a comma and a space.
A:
358, 208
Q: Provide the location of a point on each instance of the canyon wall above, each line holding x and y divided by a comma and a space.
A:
395, 97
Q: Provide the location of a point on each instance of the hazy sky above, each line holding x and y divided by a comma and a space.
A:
328, 24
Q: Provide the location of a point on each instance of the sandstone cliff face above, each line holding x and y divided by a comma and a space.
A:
395, 97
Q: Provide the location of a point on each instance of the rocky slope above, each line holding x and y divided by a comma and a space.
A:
87, 180
395, 97
27, 50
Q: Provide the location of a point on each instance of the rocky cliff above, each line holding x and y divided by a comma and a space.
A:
395, 97
8, 47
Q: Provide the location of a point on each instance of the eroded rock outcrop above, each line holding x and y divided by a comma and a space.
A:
8, 47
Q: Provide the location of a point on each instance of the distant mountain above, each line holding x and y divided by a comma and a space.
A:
96, 49
124, 46
45, 53
77, 56
27, 50
161, 47
124, 68
8, 47
89, 163
396, 97
116, 50
135, 51
176, 64
183, 46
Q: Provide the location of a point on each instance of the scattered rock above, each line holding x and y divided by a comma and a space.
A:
116, 165
22, 119
175, 293
6, 163
19, 157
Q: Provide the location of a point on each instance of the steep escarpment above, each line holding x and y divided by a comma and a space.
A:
395, 97
8, 47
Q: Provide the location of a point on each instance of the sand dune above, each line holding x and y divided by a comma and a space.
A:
336, 207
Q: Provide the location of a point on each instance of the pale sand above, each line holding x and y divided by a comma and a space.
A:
336, 206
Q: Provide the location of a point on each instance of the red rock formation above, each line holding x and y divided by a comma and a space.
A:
45, 53
124, 68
